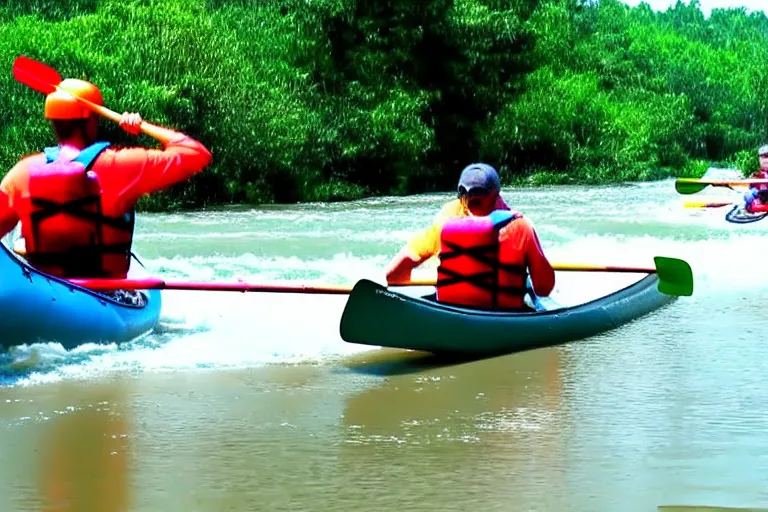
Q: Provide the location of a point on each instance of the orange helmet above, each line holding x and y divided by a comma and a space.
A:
62, 105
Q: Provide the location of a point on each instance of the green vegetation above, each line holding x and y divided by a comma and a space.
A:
335, 99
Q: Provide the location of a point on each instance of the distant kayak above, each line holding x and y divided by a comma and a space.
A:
37, 307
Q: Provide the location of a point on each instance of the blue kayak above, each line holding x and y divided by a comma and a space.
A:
36, 307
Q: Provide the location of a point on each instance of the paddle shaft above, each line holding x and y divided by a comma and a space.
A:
578, 267
693, 186
160, 284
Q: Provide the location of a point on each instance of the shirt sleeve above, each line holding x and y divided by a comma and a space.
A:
541, 271
426, 244
129, 173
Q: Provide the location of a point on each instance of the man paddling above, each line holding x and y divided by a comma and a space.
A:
756, 198
478, 196
75, 201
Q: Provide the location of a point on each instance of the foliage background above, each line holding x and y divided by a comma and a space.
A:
322, 100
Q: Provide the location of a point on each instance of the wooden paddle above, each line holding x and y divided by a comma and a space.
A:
46, 80
160, 284
675, 278
692, 186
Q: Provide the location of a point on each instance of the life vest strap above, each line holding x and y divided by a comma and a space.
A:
484, 254
83, 250
52, 208
486, 281
481, 253
483, 280
81, 260
75, 209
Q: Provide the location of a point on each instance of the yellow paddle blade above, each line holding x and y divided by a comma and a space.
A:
706, 204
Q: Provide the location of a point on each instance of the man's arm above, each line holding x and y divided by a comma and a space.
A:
418, 250
8, 216
134, 172
542, 273
400, 268
422, 246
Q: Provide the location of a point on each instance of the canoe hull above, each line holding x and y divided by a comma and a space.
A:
37, 308
377, 316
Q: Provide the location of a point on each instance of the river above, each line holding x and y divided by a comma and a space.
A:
253, 402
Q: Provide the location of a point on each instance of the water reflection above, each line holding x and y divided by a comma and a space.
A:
68, 448
85, 453
495, 423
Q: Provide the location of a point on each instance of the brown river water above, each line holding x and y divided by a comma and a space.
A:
253, 402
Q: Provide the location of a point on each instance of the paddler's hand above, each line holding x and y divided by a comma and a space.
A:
131, 123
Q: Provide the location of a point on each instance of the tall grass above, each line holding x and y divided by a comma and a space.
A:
337, 99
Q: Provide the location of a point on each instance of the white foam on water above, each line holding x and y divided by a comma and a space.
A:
234, 330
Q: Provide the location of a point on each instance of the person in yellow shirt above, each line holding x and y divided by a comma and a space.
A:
479, 194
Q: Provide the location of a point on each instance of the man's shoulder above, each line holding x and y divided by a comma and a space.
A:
519, 226
450, 210
113, 150
25, 162
524, 222
20, 169
453, 206
120, 156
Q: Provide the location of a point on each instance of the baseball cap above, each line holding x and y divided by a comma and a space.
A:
763, 150
480, 178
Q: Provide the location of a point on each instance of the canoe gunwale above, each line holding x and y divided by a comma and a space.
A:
639, 284
40, 308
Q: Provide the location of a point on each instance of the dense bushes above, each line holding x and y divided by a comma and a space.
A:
335, 99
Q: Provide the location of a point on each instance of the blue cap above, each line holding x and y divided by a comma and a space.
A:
479, 176
763, 150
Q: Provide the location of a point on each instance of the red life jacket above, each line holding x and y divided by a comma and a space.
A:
65, 231
475, 270
758, 207
760, 204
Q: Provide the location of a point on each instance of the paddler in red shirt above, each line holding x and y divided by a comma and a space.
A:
75, 201
483, 262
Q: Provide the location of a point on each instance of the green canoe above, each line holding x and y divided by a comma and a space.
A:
375, 315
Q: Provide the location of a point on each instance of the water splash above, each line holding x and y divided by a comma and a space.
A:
340, 243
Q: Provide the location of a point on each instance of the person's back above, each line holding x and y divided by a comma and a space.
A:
75, 201
486, 261
472, 243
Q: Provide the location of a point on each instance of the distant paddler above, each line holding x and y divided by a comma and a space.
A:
756, 198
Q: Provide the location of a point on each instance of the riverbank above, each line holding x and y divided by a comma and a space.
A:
336, 101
